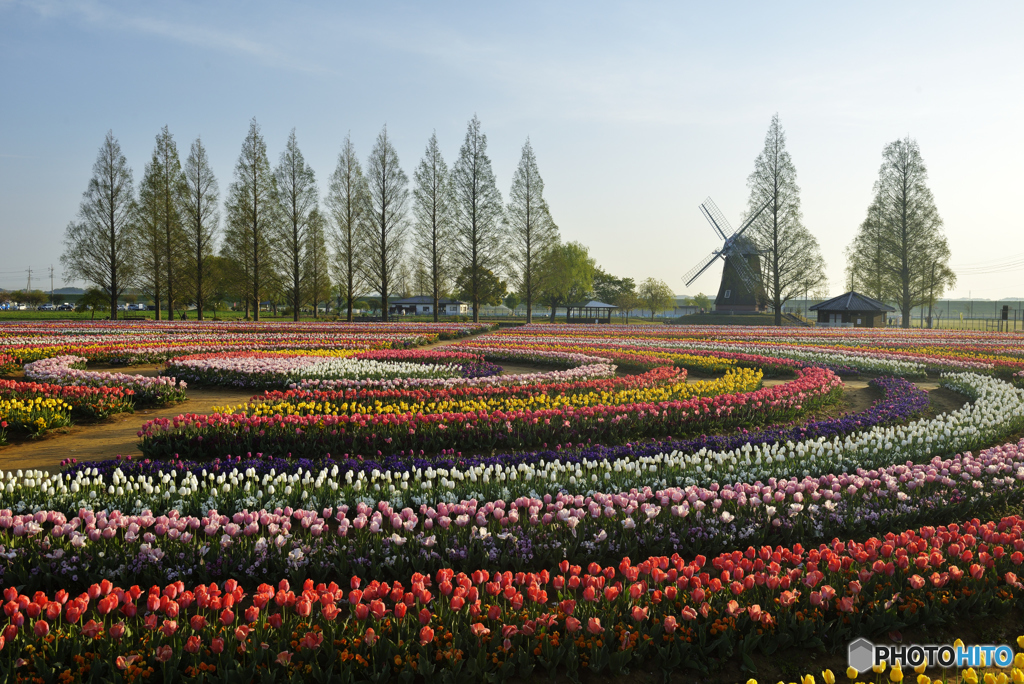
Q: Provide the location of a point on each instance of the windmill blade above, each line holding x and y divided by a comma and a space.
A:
701, 266
716, 218
750, 220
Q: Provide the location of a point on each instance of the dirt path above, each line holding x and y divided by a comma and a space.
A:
116, 435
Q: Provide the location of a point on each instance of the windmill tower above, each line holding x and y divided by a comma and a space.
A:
741, 288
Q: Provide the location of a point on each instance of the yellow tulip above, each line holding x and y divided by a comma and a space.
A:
828, 677
969, 675
878, 669
751, 681
990, 678
923, 679
1020, 641
896, 674
852, 673
958, 643
1017, 674
1018, 660
1001, 678
807, 679
920, 668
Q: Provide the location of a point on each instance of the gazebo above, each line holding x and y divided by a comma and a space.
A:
852, 310
589, 312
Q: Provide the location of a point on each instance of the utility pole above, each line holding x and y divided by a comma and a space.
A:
28, 288
51, 284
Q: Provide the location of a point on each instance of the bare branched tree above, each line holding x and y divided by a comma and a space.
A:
432, 229
532, 233
201, 216
252, 216
346, 204
99, 247
298, 197
791, 258
912, 234
316, 274
385, 226
479, 214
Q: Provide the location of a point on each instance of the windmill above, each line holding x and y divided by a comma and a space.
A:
741, 288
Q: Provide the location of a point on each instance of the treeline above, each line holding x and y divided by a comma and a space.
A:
275, 236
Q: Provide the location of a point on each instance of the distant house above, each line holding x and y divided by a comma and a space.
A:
852, 310
424, 305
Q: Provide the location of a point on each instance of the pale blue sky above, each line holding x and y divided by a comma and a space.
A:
637, 111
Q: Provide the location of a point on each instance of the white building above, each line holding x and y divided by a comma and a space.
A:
424, 306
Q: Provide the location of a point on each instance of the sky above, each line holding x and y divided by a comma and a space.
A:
636, 111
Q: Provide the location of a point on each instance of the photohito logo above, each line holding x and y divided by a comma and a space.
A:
863, 655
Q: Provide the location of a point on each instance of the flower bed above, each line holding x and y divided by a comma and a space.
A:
150, 342
506, 399
54, 548
32, 416
444, 478
261, 369
192, 435
552, 516
664, 610
69, 370
85, 402
8, 364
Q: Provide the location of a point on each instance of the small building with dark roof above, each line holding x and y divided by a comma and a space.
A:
852, 309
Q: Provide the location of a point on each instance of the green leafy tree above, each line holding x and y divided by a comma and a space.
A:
512, 300
656, 295
93, 299
490, 289
702, 301
567, 275
99, 247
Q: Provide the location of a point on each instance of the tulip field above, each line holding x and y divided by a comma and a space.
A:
458, 503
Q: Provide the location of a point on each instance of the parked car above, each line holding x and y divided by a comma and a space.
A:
65, 307
47, 307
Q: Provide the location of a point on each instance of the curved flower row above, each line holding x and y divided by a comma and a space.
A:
148, 342
259, 369
525, 533
520, 386
192, 435
741, 380
665, 610
583, 367
85, 402
445, 477
874, 349
69, 370
996, 413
